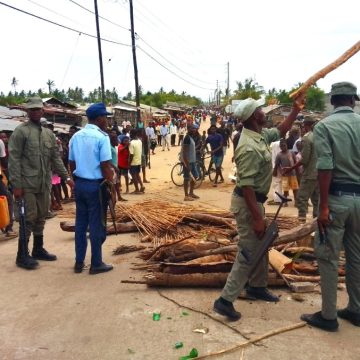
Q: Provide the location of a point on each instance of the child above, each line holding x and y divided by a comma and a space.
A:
284, 160
123, 161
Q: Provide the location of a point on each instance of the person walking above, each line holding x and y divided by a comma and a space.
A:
336, 142
90, 164
135, 151
164, 132
188, 159
216, 142
309, 188
182, 133
33, 153
173, 132
254, 168
284, 161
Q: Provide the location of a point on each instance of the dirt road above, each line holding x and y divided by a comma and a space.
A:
52, 313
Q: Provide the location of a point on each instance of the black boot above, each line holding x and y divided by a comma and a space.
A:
23, 258
226, 308
348, 315
318, 321
38, 250
260, 293
26, 262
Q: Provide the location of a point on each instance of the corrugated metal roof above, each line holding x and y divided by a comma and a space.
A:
9, 124
6, 113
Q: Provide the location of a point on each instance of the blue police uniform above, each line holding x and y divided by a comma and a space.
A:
88, 148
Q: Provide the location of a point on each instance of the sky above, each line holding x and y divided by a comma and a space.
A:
279, 43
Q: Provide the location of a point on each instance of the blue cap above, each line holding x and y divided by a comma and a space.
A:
95, 110
195, 126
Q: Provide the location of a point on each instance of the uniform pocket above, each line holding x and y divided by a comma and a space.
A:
235, 204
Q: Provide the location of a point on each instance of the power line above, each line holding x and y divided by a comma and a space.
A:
71, 58
157, 52
152, 48
176, 67
52, 11
62, 26
101, 17
172, 72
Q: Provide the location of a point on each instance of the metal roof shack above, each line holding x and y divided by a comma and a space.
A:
57, 111
126, 110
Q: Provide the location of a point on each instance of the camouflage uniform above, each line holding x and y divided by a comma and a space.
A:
33, 154
309, 188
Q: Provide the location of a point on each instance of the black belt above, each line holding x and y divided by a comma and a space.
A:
344, 189
259, 197
91, 180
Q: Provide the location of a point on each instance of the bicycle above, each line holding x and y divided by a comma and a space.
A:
177, 172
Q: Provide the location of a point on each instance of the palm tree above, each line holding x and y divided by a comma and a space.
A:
50, 84
14, 83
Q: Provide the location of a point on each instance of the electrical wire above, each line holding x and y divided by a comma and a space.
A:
101, 17
172, 64
172, 72
70, 61
52, 11
139, 37
62, 26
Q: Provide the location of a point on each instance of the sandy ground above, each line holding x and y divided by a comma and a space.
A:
52, 313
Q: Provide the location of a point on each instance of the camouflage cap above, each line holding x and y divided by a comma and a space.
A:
344, 88
34, 103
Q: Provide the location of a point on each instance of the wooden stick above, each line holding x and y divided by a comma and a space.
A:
326, 70
167, 244
255, 340
203, 313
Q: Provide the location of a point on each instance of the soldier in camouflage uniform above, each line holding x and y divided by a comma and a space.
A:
254, 174
32, 157
336, 140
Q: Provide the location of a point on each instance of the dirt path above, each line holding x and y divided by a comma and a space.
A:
52, 313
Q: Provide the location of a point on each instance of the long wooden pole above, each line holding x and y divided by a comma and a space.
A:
326, 70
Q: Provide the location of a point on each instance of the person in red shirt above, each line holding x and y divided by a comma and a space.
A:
123, 161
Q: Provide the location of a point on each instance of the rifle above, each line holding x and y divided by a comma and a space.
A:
107, 201
268, 238
23, 258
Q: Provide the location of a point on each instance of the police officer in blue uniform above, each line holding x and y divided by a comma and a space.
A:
90, 163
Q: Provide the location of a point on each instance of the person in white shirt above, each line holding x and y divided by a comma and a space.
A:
173, 133
182, 133
164, 132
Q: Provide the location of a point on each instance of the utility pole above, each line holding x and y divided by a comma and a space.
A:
217, 92
137, 94
228, 81
100, 53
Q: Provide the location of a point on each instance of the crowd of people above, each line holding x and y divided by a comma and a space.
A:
317, 162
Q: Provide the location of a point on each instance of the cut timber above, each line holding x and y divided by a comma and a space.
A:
210, 220
297, 233
302, 287
120, 227
281, 263
124, 249
302, 278
213, 280
326, 70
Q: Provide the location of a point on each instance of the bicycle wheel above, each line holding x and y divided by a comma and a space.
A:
200, 171
177, 174
212, 173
